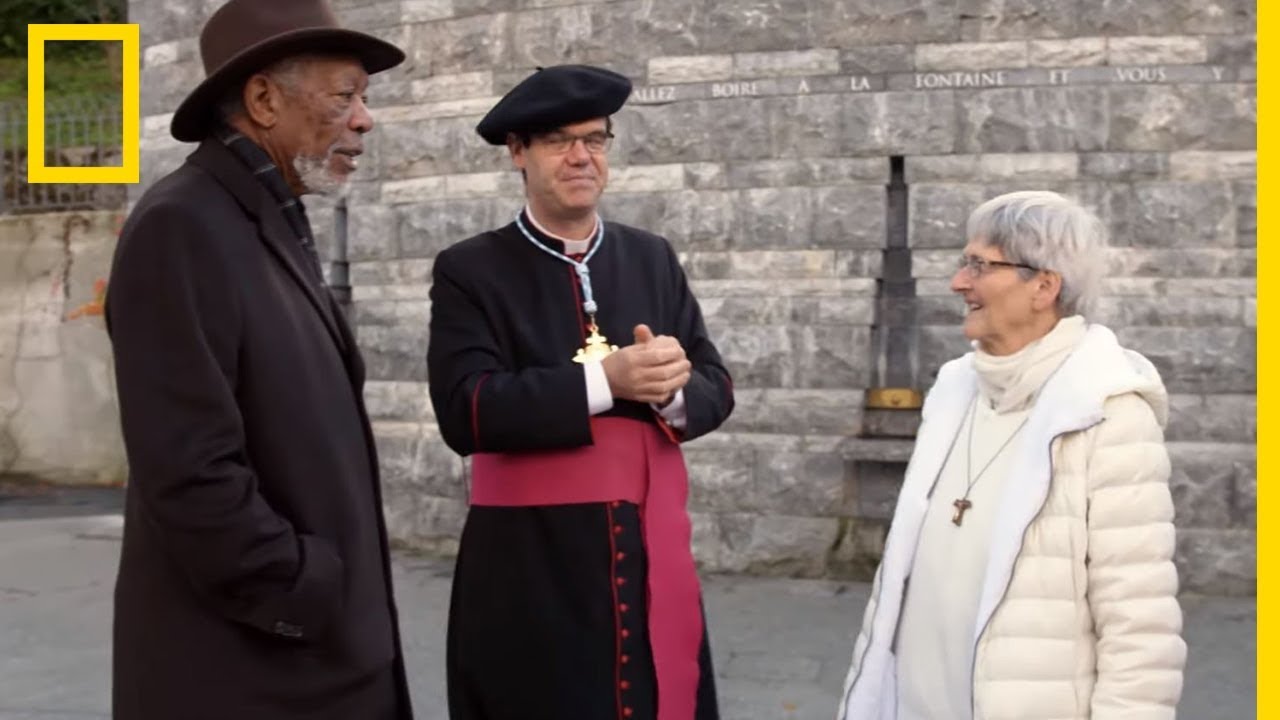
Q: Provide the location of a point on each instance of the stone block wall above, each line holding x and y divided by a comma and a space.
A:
759, 140
58, 416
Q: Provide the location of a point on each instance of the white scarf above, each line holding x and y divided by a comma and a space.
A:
1011, 382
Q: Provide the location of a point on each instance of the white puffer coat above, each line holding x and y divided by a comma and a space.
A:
1078, 618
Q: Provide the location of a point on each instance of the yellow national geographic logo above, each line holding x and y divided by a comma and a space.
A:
37, 171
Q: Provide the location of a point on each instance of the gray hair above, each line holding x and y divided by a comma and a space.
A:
1048, 231
286, 73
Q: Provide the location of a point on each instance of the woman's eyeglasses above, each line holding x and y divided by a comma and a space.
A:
977, 267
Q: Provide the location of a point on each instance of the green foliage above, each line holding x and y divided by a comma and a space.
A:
13, 78
91, 75
82, 123
15, 15
72, 68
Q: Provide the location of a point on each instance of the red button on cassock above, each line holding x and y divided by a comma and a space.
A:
623, 607
624, 685
617, 529
626, 633
626, 712
622, 581
625, 659
622, 556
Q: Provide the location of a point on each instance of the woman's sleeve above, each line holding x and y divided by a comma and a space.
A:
1132, 581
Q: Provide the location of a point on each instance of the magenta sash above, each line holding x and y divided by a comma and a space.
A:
633, 461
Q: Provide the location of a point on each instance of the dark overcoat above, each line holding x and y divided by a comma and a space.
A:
255, 577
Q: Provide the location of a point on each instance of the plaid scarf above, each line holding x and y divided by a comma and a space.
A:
257, 160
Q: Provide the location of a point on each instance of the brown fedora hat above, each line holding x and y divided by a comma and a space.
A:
245, 36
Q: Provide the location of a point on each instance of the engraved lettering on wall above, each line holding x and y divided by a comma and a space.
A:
1140, 74
656, 94
933, 81
734, 89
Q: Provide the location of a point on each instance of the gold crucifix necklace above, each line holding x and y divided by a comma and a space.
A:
964, 503
597, 346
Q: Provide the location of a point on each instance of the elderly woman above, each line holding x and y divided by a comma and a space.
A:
1028, 573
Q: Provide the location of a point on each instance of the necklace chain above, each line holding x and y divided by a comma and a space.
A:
964, 503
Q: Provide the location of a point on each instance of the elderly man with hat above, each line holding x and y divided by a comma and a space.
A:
575, 594
254, 578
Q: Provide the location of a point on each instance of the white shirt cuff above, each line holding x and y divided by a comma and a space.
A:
599, 397
674, 413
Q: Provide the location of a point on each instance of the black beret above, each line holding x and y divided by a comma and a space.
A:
553, 97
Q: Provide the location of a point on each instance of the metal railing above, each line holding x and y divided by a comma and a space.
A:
80, 132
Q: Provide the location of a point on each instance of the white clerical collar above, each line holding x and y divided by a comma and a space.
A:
571, 247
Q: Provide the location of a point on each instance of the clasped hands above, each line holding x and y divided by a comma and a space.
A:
650, 371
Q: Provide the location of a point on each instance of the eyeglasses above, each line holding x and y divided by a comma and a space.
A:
977, 267
596, 143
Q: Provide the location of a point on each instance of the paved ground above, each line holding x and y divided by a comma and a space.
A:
781, 646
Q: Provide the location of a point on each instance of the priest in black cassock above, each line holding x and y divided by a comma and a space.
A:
569, 359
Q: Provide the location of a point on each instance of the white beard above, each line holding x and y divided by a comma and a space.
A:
313, 173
